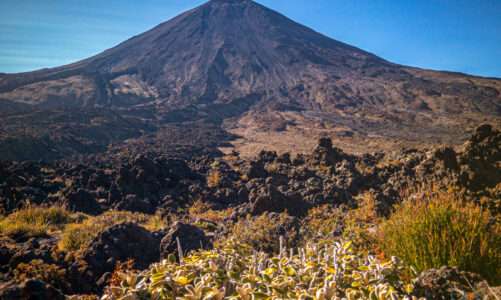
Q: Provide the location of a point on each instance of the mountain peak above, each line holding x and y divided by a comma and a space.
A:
230, 1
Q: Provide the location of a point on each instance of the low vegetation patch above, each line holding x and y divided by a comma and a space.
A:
214, 178
443, 230
78, 235
233, 272
263, 233
327, 224
37, 269
202, 210
36, 221
323, 224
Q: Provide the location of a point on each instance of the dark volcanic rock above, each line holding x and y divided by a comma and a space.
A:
190, 238
135, 204
31, 289
481, 159
120, 243
82, 201
445, 283
269, 199
447, 156
325, 154
35, 248
255, 169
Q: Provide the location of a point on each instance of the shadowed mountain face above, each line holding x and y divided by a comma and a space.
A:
263, 77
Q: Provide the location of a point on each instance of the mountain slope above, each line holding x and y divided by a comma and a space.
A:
260, 75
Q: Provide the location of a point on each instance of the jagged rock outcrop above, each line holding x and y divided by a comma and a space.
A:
446, 283
119, 243
31, 289
190, 238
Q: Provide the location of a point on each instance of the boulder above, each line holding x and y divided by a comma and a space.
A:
34, 248
447, 156
266, 156
82, 200
480, 160
445, 283
120, 243
284, 158
254, 170
6, 253
134, 203
270, 199
190, 238
31, 289
325, 154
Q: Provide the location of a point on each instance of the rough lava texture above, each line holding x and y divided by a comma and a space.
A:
269, 185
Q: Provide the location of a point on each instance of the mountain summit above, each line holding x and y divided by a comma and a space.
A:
220, 51
260, 75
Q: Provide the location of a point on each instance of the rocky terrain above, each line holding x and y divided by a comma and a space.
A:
191, 163
282, 82
126, 191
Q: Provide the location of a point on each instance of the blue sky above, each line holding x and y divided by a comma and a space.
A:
456, 35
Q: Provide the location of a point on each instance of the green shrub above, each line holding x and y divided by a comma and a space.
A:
443, 230
36, 221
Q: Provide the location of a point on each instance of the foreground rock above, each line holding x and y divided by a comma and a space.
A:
190, 238
31, 289
448, 283
121, 243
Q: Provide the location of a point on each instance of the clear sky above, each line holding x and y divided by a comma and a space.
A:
456, 35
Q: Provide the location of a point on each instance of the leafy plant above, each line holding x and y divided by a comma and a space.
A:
313, 272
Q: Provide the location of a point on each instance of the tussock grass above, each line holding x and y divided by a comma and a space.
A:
36, 221
444, 230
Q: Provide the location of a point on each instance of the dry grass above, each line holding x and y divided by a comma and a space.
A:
37, 269
79, 235
263, 233
321, 224
202, 210
36, 221
444, 230
213, 178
